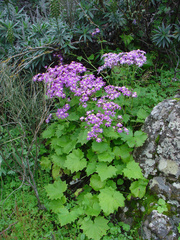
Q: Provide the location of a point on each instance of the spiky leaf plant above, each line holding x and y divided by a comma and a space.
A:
55, 8
162, 36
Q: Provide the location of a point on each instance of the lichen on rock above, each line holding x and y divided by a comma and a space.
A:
159, 159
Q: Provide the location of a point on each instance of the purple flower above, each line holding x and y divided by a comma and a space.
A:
62, 112
95, 32
48, 118
134, 22
136, 57
72, 79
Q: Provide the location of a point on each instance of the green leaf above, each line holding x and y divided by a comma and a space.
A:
56, 205
58, 150
123, 151
106, 157
96, 183
82, 138
142, 114
91, 205
140, 138
59, 131
91, 156
55, 171
91, 167
62, 141
91, 57
125, 226
69, 146
50, 131
138, 188
133, 170
65, 217
105, 171
55, 143
137, 140
120, 181
63, 144
100, 147
126, 118
110, 133
55, 190
120, 167
94, 229
110, 200
73, 116
79, 58
128, 138
45, 163
75, 161
58, 160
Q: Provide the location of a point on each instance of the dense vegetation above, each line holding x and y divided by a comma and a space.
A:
75, 90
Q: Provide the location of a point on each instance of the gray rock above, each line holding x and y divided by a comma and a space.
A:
160, 154
159, 159
158, 226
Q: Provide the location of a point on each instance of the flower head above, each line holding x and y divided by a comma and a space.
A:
95, 32
136, 57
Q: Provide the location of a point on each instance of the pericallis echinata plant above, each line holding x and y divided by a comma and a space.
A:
123, 65
89, 151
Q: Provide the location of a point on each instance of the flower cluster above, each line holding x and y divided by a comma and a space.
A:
88, 85
113, 92
62, 112
136, 57
69, 76
97, 121
73, 77
96, 31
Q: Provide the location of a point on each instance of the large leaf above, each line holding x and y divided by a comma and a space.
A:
96, 183
138, 188
49, 131
142, 114
58, 150
110, 200
123, 151
133, 170
134, 141
105, 171
110, 133
106, 156
82, 138
45, 163
65, 217
91, 205
73, 116
94, 229
75, 161
64, 143
128, 138
91, 156
58, 160
100, 147
69, 146
55, 190
91, 167
56, 205
56, 172
59, 130
140, 138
